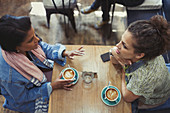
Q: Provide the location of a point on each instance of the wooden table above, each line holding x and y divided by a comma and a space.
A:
86, 98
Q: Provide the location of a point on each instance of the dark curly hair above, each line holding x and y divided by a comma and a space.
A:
152, 36
13, 31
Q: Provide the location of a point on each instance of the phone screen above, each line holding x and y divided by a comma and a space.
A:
105, 57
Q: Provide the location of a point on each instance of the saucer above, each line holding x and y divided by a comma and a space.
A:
107, 102
76, 76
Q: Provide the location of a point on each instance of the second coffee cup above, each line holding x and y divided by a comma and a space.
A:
111, 94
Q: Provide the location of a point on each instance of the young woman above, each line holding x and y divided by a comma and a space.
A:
22, 57
145, 77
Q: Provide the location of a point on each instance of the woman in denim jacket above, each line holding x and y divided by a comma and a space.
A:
22, 57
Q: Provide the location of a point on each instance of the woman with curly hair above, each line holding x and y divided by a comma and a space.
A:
145, 77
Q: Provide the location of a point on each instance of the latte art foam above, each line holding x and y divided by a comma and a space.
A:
69, 74
111, 94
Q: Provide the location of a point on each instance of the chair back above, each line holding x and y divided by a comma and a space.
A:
59, 3
166, 8
148, 5
144, 11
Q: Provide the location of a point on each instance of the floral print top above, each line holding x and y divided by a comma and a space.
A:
151, 81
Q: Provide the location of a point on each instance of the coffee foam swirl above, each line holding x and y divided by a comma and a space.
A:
68, 74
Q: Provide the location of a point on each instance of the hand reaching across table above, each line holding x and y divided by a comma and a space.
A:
70, 54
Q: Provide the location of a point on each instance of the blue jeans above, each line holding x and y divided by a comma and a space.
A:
106, 5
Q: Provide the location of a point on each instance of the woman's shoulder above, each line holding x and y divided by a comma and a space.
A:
155, 67
154, 63
157, 63
149, 74
158, 59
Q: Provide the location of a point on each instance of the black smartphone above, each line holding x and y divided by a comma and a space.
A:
105, 57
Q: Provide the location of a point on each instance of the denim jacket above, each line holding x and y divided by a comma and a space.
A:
20, 94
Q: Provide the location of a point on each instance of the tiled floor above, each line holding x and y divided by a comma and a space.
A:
86, 34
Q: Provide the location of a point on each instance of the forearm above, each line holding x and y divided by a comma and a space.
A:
128, 96
124, 89
53, 85
53, 52
65, 53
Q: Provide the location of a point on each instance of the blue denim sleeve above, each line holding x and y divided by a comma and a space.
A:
168, 66
21, 94
49, 88
54, 52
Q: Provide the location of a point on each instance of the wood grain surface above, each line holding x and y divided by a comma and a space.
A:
86, 98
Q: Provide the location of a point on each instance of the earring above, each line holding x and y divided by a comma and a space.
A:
18, 51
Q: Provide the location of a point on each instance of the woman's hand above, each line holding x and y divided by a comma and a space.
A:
61, 84
117, 58
70, 54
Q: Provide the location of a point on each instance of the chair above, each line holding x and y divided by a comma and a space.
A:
144, 11
166, 7
148, 9
65, 7
164, 108
160, 7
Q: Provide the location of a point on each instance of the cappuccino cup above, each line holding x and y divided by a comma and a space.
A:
111, 94
68, 73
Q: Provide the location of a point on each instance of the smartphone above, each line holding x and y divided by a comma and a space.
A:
106, 56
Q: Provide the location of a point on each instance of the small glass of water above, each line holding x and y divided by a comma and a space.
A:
87, 77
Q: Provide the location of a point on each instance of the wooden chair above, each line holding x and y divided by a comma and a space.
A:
65, 7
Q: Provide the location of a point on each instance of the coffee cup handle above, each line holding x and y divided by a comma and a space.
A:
105, 97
